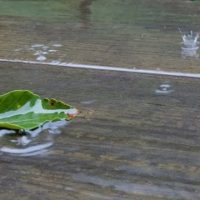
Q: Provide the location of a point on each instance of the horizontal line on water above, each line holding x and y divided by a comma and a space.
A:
108, 68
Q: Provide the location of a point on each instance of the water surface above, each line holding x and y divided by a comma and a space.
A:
129, 141
132, 33
137, 136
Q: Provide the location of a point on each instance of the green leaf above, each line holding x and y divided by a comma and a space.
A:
24, 110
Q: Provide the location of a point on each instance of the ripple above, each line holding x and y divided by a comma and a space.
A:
31, 143
164, 89
31, 149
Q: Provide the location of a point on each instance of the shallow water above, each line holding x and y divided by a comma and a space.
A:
129, 142
137, 136
130, 33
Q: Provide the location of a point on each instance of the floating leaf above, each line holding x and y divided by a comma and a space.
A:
24, 110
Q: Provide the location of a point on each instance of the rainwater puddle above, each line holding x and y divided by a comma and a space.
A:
190, 45
35, 142
164, 89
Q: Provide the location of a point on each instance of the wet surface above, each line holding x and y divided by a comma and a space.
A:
128, 143
131, 33
137, 136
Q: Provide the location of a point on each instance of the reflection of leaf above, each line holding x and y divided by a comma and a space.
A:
24, 110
